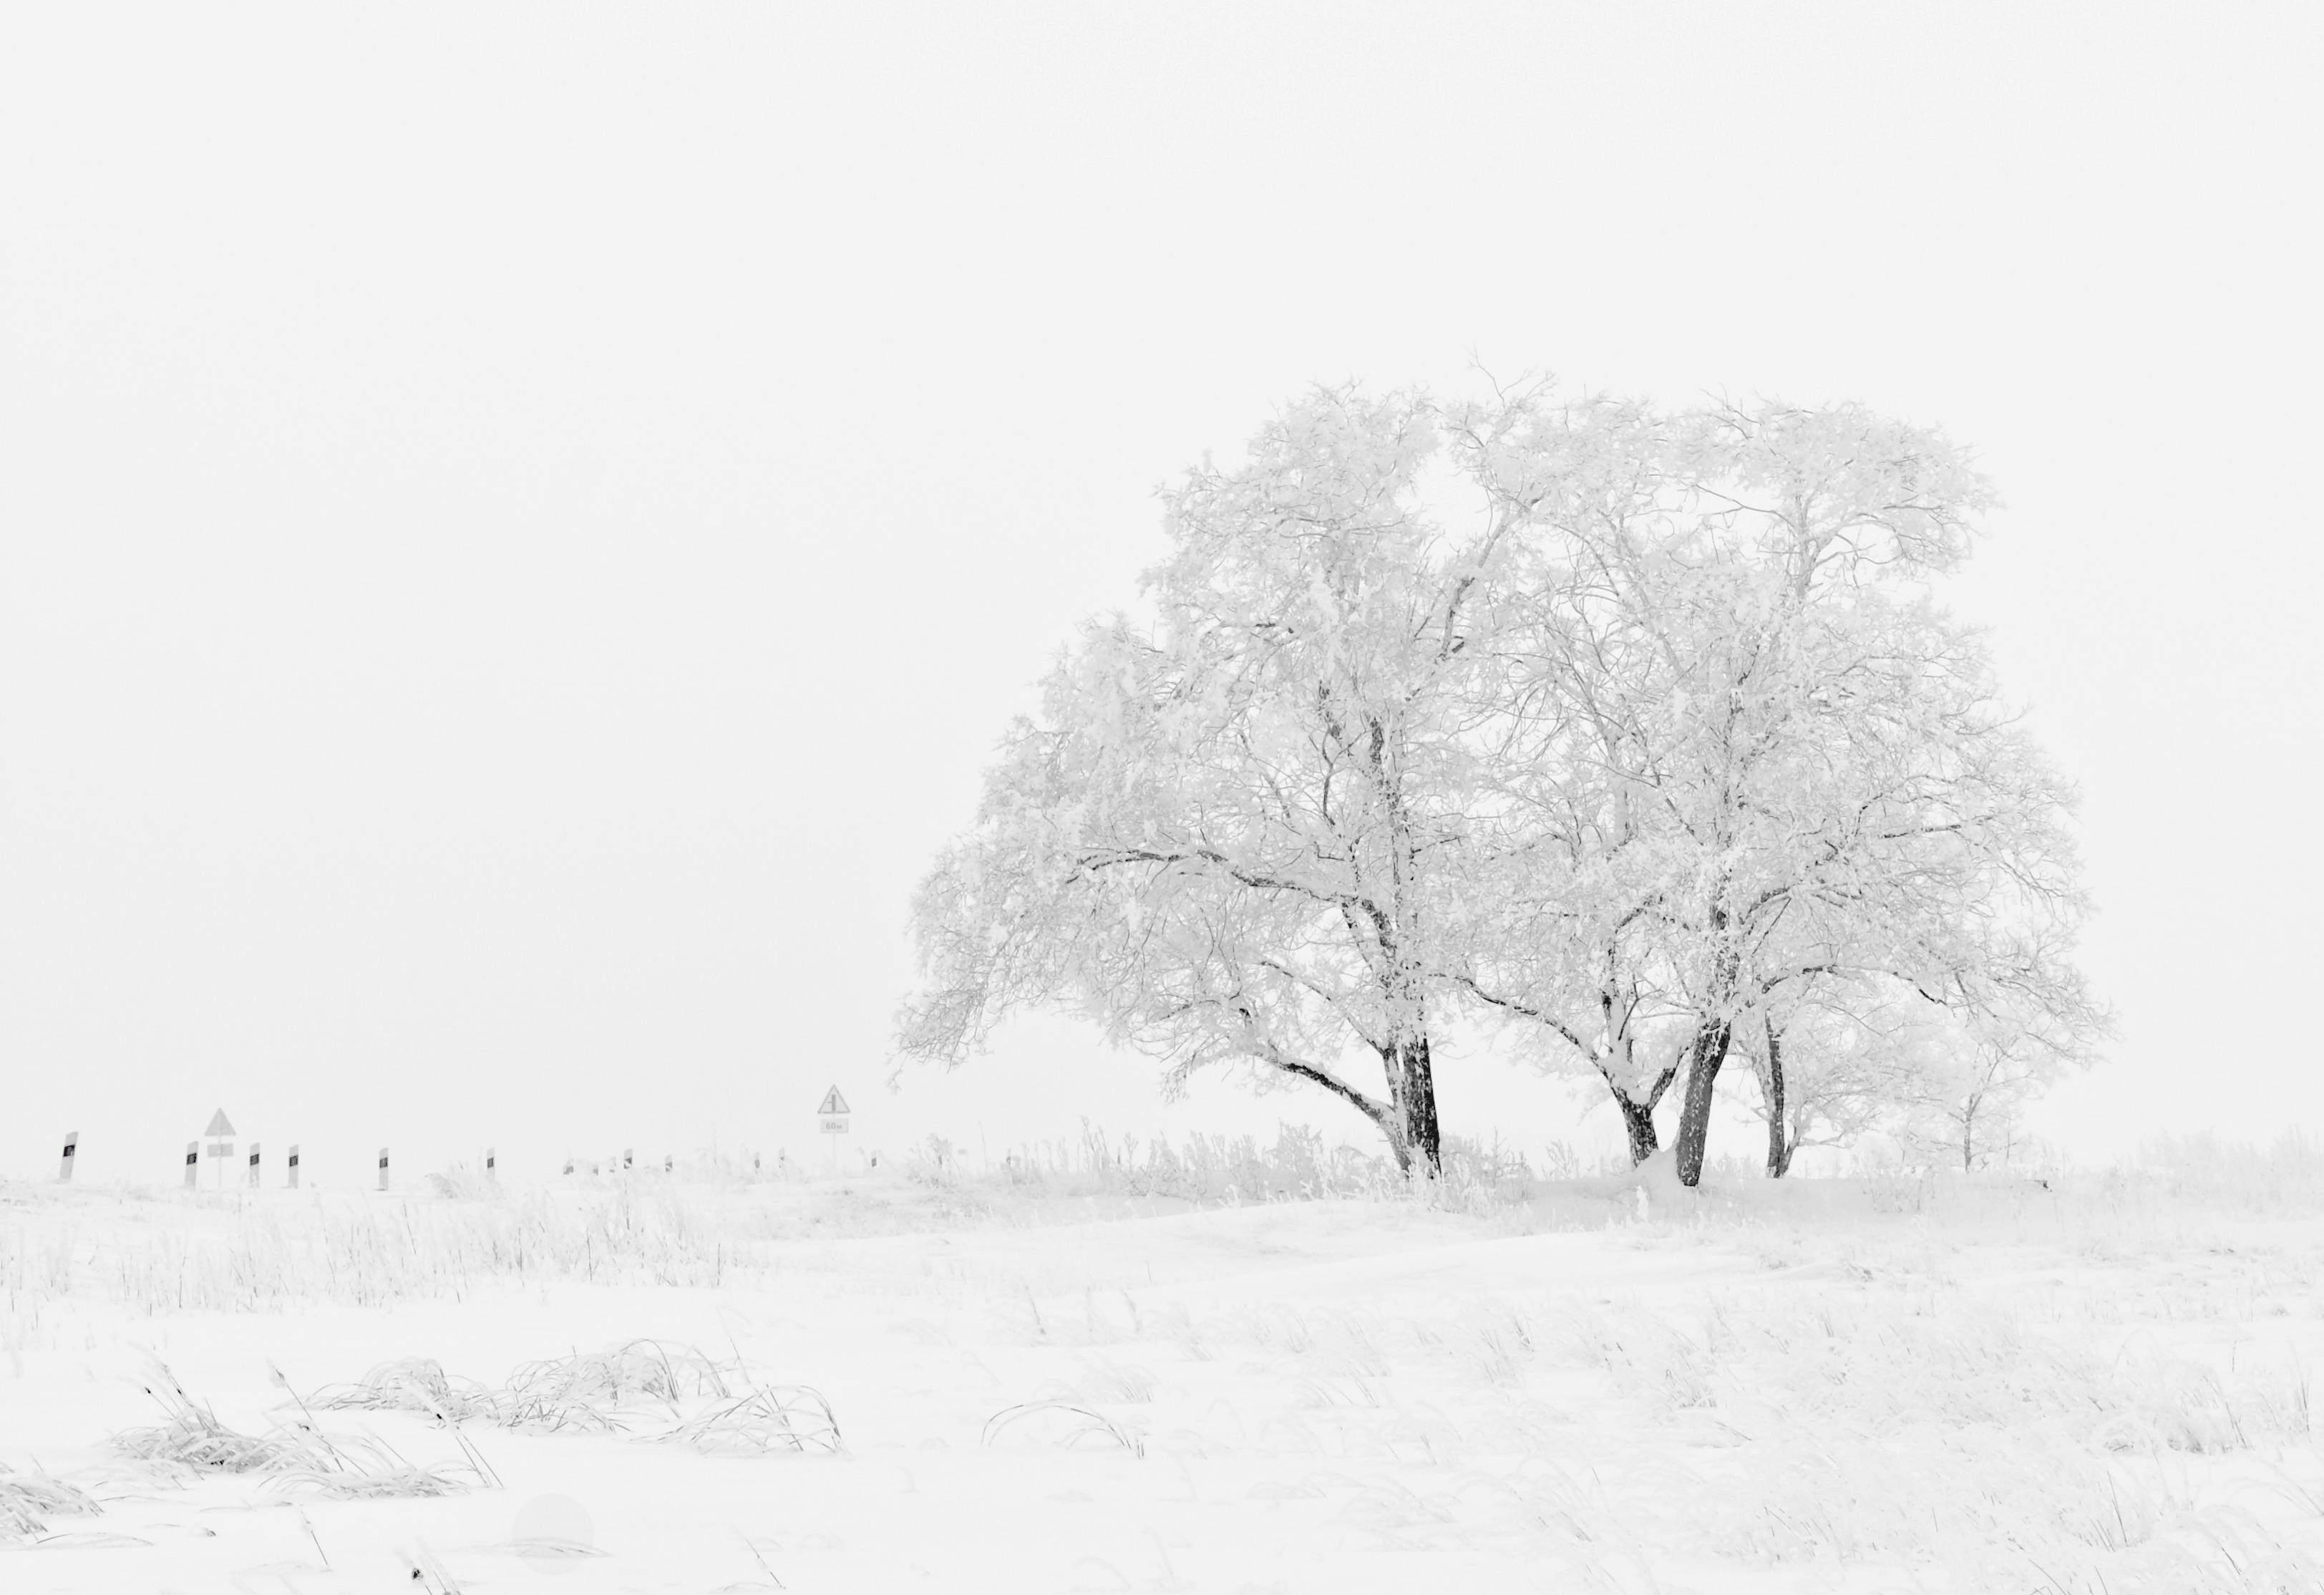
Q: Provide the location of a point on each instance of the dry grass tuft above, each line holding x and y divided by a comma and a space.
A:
413, 1384
28, 1500
599, 1389
710, 1405
774, 1418
293, 1455
193, 1439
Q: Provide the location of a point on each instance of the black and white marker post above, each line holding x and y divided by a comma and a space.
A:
383, 1168
193, 1162
253, 1181
72, 1144
293, 1166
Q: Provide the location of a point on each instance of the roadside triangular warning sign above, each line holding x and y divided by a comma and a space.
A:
833, 1103
219, 1124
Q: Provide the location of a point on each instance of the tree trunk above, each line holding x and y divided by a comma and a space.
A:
1638, 1118
1409, 1115
1417, 1098
1704, 1057
1779, 1140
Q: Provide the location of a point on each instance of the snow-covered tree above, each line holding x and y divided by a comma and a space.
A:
1762, 756
1969, 1102
1656, 741
1850, 797
1228, 836
2013, 1015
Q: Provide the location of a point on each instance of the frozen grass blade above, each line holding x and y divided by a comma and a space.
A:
1083, 1425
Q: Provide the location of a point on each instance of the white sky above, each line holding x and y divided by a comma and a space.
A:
520, 526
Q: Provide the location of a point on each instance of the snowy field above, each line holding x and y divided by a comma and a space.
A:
948, 1383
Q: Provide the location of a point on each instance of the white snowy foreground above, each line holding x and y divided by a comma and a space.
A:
1899, 1386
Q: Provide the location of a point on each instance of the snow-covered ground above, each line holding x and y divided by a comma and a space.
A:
1901, 1384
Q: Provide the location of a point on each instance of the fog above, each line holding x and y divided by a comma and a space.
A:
519, 526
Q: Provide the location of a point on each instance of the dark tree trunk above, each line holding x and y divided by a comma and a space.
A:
1779, 1140
1707, 1053
1638, 1118
1416, 1096
1410, 1119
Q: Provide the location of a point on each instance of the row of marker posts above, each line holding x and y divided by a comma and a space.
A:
834, 1111
625, 1164
222, 1150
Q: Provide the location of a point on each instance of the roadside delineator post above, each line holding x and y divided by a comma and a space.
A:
64, 1172
669, 1162
492, 1164
193, 1162
254, 1166
383, 1168
294, 1166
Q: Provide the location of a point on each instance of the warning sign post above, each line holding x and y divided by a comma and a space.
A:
220, 1135
834, 1114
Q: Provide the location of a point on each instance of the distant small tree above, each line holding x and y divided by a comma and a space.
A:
2006, 1032
1827, 1075
1948, 1066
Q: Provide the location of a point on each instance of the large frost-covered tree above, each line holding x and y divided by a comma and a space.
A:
1228, 835
1641, 730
